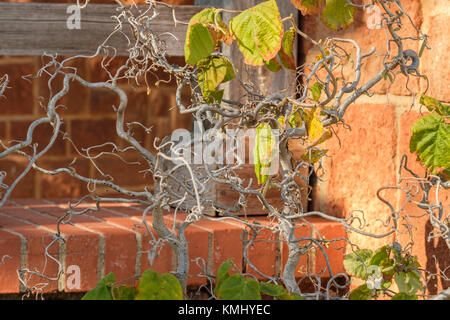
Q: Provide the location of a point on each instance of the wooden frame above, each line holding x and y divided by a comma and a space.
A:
30, 29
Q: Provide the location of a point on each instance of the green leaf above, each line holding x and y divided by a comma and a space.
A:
309, 6
103, 290
199, 43
337, 14
431, 139
273, 65
286, 52
125, 293
272, 289
262, 152
213, 71
356, 263
154, 286
433, 104
361, 293
404, 296
296, 120
259, 32
223, 273
379, 256
316, 90
236, 287
408, 282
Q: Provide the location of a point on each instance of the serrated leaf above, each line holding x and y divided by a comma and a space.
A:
309, 6
259, 32
273, 65
236, 287
213, 71
337, 14
205, 32
199, 43
356, 263
272, 289
316, 90
103, 289
286, 52
431, 139
154, 286
361, 293
314, 126
262, 152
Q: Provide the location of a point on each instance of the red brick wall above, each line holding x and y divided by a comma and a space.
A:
89, 119
367, 157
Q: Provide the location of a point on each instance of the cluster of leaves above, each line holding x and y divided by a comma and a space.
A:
261, 38
237, 287
380, 269
151, 286
431, 137
154, 286
335, 14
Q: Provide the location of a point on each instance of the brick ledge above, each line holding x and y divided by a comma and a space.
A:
110, 240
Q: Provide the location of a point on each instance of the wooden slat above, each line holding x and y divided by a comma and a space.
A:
32, 28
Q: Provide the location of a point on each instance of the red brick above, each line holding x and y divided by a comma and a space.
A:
14, 166
120, 244
41, 135
114, 214
102, 101
91, 132
198, 247
434, 62
37, 239
19, 98
63, 185
367, 39
335, 251
226, 242
124, 174
262, 253
364, 162
75, 101
81, 247
10, 245
3, 131
305, 263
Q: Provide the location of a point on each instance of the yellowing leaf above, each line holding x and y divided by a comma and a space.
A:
262, 152
259, 32
286, 53
314, 126
205, 30
337, 14
314, 155
273, 65
213, 71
